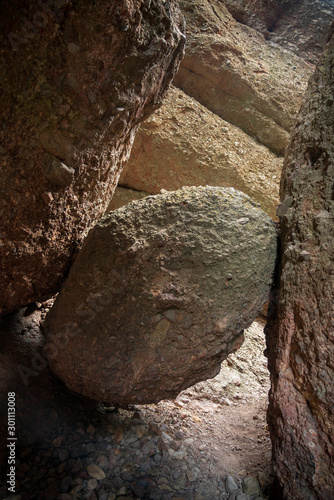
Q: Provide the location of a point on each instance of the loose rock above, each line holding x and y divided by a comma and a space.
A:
95, 471
251, 486
231, 485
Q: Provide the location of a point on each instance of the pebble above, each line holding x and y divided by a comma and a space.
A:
191, 475
262, 480
95, 471
121, 491
119, 435
251, 486
242, 496
73, 48
91, 429
125, 458
65, 484
91, 485
230, 484
103, 462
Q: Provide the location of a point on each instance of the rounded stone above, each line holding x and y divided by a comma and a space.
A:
147, 309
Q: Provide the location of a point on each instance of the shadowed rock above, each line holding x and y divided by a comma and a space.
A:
300, 331
298, 25
160, 294
77, 79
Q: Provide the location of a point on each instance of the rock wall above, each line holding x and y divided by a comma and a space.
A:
300, 330
185, 144
230, 122
234, 72
77, 80
300, 26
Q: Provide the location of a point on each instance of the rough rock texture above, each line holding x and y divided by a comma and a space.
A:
301, 329
123, 196
184, 144
160, 293
260, 15
69, 114
299, 25
234, 72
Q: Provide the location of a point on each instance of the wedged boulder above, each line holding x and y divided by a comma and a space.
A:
233, 71
300, 330
160, 294
300, 26
183, 144
77, 80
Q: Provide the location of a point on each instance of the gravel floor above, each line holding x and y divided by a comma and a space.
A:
210, 443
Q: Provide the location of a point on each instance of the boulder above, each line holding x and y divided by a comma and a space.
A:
183, 144
300, 329
301, 27
77, 79
233, 71
160, 294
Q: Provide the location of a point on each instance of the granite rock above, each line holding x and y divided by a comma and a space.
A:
183, 144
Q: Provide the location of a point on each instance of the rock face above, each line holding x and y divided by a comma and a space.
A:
69, 114
300, 331
123, 196
183, 144
235, 73
160, 294
238, 75
300, 26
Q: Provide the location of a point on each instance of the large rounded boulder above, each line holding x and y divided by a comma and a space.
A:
160, 294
